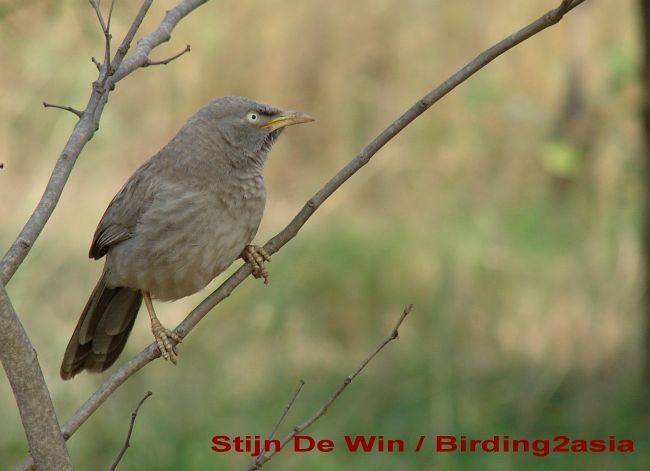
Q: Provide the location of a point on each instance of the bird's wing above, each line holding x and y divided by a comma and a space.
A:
121, 217
105, 236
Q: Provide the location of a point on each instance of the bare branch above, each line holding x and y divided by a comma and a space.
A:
567, 4
261, 459
107, 42
85, 128
127, 442
66, 108
287, 408
167, 61
98, 12
151, 352
105, 31
141, 53
97, 64
110, 16
301, 383
128, 38
18, 357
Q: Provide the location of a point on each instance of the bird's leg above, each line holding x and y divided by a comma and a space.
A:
256, 256
163, 336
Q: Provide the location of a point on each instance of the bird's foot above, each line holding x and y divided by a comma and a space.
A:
166, 341
256, 256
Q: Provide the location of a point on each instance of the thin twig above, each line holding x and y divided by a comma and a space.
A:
110, 16
282, 416
128, 38
266, 456
286, 409
167, 61
127, 442
98, 12
66, 108
107, 37
97, 64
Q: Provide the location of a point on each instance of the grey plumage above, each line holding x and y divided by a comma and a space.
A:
181, 219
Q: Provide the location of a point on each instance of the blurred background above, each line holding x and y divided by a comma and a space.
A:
510, 214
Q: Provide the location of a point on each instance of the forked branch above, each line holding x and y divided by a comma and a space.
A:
261, 459
127, 441
168, 60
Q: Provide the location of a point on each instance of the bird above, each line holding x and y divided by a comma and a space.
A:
180, 220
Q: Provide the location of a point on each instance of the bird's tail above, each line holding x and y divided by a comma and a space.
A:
102, 330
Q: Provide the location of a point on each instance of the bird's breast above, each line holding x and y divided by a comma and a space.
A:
189, 236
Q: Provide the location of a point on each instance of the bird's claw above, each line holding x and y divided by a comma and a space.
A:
256, 256
167, 341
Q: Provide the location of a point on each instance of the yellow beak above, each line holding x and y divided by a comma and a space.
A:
287, 118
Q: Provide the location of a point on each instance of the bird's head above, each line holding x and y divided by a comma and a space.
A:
247, 126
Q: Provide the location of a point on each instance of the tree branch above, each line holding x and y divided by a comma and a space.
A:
301, 383
127, 442
46, 444
262, 458
290, 231
128, 38
167, 61
105, 27
98, 12
76, 112
87, 125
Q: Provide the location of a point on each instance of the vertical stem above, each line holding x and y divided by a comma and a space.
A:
18, 357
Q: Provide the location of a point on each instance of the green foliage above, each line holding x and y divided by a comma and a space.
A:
560, 158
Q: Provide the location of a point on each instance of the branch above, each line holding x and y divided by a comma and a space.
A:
100, 18
105, 26
127, 442
108, 37
262, 458
301, 383
151, 352
46, 444
167, 61
87, 125
67, 108
128, 38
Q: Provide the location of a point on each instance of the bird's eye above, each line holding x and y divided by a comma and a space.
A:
252, 117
